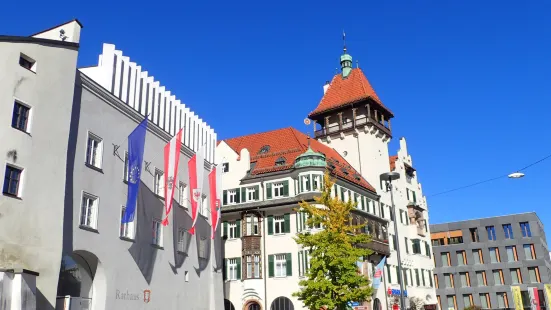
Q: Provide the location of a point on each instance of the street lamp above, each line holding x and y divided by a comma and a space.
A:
389, 177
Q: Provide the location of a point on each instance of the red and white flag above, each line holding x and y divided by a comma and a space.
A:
196, 166
534, 298
215, 178
172, 158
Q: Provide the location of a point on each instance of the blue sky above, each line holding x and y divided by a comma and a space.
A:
468, 81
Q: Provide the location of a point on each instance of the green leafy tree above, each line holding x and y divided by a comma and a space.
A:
333, 279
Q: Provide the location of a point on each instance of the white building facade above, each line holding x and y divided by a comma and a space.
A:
65, 182
353, 120
266, 176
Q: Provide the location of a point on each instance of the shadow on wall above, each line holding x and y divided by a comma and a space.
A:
149, 208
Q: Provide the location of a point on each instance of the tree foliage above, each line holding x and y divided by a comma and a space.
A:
333, 279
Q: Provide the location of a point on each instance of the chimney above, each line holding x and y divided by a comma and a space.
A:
325, 87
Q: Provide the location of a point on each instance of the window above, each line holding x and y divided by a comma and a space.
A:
89, 211
451, 302
477, 254
438, 242
481, 278
529, 252
501, 300
304, 263
158, 183
27, 62
279, 224
406, 244
511, 253
405, 271
203, 250
317, 181
423, 277
416, 246
494, 255
20, 116
534, 274
127, 229
467, 300
280, 265
484, 300
525, 229
430, 279
491, 232
183, 240
382, 210
157, 231
474, 234
498, 277
232, 196
278, 189
465, 280
233, 265
461, 258
94, 150
444, 258
252, 228
508, 231
427, 249
233, 230
449, 279
516, 277
253, 266
280, 161
12, 181
394, 245
182, 195
265, 149
225, 167
252, 193
455, 240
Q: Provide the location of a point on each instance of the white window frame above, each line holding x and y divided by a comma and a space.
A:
183, 195
279, 222
89, 159
127, 230
280, 266
249, 266
92, 220
251, 221
158, 183
250, 191
157, 233
277, 189
317, 181
232, 195
232, 269
256, 266
232, 230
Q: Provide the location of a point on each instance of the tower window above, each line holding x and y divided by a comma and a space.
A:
280, 161
265, 149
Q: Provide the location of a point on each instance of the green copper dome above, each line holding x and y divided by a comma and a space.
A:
346, 64
310, 159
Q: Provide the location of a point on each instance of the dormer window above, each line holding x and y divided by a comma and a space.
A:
225, 167
357, 177
345, 171
265, 149
280, 161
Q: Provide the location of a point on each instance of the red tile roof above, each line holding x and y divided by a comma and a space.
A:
392, 160
343, 91
290, 143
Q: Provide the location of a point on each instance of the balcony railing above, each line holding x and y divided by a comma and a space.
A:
359, 123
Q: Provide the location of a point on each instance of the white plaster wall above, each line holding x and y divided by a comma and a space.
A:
72, 32
31, 227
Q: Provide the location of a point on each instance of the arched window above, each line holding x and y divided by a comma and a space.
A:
282, 303
265, 149
280, 161
253, 306
228, 305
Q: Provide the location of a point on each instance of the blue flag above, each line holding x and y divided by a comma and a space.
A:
378, 273
136, 142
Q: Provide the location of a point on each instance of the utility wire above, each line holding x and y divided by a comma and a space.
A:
489, 180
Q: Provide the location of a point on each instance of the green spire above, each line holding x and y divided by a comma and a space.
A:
346, 59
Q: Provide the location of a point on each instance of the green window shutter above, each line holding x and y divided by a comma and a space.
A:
414, 197
243, 194
299, 260
289, 264
388, 273
301, 188
407, 193
342, 194
270, 266
430, 277
406, 244
225, 197
296, 221
237, 196
287, 227
257, 192
309, 185
417, 277
238, 268
269, 191
238, 228
306, 260
226, 229
225, 271
270, 224
285, 188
